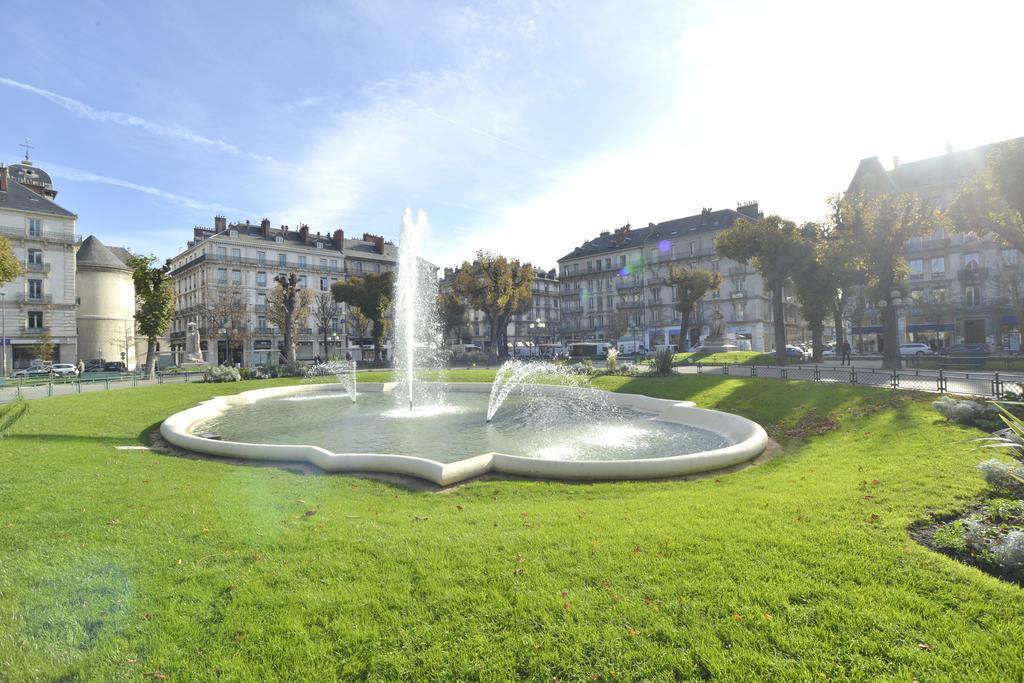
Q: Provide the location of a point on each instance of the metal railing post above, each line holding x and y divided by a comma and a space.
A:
49, 387
997, 386
942, 382
895, 379
853, 375
817, 374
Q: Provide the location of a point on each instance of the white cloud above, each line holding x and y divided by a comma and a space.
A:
175, 131
74, 174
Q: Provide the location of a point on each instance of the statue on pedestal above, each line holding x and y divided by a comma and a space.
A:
718, 339
193, 352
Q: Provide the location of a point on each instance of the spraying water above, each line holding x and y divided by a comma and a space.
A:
516, 374
345, 371
417, 334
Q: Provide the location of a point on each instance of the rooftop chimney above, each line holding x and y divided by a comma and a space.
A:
220, 223
748, 209
303, 232
3, 178
265, 227
339, 239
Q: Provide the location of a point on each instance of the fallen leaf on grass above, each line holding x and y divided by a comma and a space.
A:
309, 513
924, 646
459, 508
156, 674
420, 519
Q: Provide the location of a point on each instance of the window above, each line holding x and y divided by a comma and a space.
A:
261, 279
359, 266
376, 267
282, 260
972, 295
302, 262
236, 255
323, 264
261, 301
35, 289
35, 228
693, 246
222, 276
261, 257
1010, 257
324, 284
939, 265
334, 265
35, 257
972, 259
740, 310
302, 281
261, 324
35, 320
916, 268
236, 277
222, 252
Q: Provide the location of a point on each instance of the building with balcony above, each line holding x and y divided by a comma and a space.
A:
963, 283
224, 276
615, 287
43, 300
535, 331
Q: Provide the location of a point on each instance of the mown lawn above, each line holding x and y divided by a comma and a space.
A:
732, 358
135, 565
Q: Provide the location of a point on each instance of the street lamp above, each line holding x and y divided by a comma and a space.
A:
896, 302
3, 325
332, 340
537, 326
223, 332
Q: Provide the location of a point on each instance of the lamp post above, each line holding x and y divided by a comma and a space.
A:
892, 307
332, 340
536, 328
3, 325
223, 332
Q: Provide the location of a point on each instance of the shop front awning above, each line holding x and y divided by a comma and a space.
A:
931, 327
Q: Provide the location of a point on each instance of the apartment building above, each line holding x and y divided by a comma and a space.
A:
43, 299
963, 283
535, 331
615, 287
223, 277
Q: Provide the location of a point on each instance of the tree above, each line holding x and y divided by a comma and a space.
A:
881, 225
227, 309
993, 200
43, 349
359, 325
288, 308
452, 313
814, 284
498, 287
372, 294
154, 304
838, 252
10, 267
772, 246
325, 311
691, 284
616, 325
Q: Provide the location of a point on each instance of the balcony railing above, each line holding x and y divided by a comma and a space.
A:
26, 329
37, 267
21, 297
43, 235
972, 274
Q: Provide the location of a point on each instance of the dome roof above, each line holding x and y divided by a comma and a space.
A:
95, 254
27, 174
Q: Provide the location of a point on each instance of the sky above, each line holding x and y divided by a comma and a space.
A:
523, 128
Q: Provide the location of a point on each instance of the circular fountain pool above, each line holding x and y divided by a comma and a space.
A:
553, 434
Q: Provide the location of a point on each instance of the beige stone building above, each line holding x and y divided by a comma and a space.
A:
106, 304
43, 300
223, 277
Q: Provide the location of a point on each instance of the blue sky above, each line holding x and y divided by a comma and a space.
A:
520, 127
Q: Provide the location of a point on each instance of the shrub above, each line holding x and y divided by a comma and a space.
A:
613, 360
663, 361
222, 373
951, 537
1010, 551
968, 412
1005, 479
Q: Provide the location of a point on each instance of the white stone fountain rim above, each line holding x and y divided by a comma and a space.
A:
748, 441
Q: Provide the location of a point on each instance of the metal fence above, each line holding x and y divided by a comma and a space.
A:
988, 384
13, 389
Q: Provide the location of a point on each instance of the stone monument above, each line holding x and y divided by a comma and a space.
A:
193, 350
719, 340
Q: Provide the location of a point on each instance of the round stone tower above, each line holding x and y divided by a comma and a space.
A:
106, 305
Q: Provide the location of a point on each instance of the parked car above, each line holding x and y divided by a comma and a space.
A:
115, 366
795, 352
967, 350
34, 371
829, 352
95, 365
64, 370
916, 350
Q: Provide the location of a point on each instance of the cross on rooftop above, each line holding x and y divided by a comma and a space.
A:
27, 147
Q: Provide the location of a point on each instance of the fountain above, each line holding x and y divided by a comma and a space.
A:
537, 419
345, 371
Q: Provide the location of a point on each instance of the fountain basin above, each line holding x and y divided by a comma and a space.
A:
741, 439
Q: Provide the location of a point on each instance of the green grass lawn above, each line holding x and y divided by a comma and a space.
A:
116, 565
732, 358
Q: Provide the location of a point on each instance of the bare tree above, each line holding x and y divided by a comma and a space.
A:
325, 311
288, 308
227, 308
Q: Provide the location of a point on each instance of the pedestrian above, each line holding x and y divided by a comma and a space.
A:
81, 367
846, 354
